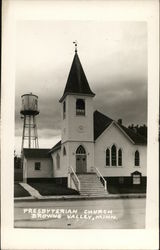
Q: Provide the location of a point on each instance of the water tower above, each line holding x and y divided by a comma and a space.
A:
29, 111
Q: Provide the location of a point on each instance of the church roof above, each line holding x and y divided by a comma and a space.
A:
101, 122
55, 147
137, 138
77, 82
36, 153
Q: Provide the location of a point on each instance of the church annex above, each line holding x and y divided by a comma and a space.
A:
95, 152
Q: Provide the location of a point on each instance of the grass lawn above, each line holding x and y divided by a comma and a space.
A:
45, 188
19, 191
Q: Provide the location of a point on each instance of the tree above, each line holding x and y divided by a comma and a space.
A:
140, 129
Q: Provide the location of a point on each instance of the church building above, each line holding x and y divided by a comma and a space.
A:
96, 154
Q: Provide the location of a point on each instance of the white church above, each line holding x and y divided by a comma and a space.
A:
96, 154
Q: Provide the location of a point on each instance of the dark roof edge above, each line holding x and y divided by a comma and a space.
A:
37, 149
80, 94
56, 147
124, 130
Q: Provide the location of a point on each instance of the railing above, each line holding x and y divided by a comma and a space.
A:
101, 176
75, 180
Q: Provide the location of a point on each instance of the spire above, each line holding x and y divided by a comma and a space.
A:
77, 82
75, 43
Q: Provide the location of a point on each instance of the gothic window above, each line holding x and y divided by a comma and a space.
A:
80, 107
64, 151
58, 161
137, 158
114, 155
64, 110
119, 157
37, 166
107, 157
80, 150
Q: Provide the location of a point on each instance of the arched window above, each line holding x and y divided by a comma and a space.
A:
58, 161
64, 151
119, 157
107, 157
114, 155
80, 150
64, 110
137, 158
80, 107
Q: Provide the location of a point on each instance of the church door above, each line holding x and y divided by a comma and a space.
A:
81, 160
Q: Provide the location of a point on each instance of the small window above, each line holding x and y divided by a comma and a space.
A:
58, 161
64, 151
80, 107
137, 158
64, 110
114, 155
37, 166
119, 157
136, 179
107, 157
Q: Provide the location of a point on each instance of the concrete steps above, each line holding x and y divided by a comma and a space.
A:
91, 185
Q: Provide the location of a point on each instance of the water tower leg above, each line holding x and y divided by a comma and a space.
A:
29, 132
35, 132
23, 134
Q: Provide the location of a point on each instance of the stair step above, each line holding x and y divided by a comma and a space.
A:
91, 185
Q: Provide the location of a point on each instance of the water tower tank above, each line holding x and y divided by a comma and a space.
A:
29, 104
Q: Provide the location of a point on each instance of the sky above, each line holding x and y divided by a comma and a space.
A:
114, 59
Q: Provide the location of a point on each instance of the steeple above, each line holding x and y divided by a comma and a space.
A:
77, 82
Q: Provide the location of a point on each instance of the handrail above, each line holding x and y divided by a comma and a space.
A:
79, 184
105, 183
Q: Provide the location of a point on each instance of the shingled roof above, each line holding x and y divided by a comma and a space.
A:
101, 122
36, 153
137, 138
77, 82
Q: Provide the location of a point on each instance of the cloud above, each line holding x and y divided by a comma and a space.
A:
113, 56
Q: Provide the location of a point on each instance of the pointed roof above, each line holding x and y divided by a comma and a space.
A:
77, 82
101, 122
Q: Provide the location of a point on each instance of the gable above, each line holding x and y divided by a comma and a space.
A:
102, 122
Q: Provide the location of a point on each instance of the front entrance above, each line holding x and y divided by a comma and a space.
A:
81, 160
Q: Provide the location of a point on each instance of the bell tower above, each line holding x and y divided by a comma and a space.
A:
77, 114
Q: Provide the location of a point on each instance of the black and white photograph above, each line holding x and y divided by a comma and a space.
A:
81, 123
80, 144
